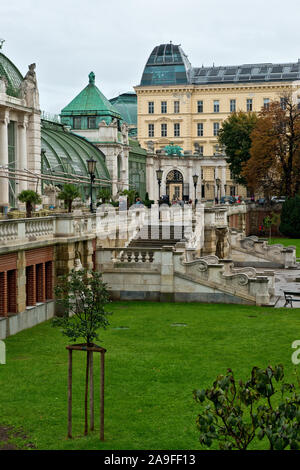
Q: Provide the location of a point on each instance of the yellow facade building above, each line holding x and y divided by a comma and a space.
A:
184, 105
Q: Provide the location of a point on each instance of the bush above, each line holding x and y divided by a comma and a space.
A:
237, 412
290, 218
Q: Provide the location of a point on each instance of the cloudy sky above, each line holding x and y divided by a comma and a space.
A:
69, 38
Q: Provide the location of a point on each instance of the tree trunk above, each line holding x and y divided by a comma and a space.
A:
86, 393
28, 209
69, 206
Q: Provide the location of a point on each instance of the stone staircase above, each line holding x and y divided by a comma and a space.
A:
156, 236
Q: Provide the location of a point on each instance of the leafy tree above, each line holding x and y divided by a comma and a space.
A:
235, 137
271, 220
83, 296
104, 194
237, 412
274, 166
290, 218
68, 194
30, 198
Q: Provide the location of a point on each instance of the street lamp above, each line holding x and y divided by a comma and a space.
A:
159, 174
195, 181
91, 163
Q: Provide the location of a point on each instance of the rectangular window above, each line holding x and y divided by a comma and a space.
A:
150, 130
164, 130
216, 128
176, 107
200, 106
232, 106
77, 123
266, 103
91, 122
283, 102
200, 129
176, 130
151, 107
249, 104
216, 106
163, 107
200, 148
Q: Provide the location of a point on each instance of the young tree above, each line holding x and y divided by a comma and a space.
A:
68, 194
83, 296
30, 198
238, 412
235, 137
274, 166
271, 220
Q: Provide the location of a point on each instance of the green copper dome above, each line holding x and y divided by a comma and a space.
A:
11, 74
90, 102
126, 104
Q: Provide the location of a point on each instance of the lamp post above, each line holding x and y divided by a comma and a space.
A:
91, 163
195, 181
159, 174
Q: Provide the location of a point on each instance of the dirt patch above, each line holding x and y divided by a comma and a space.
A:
14, 439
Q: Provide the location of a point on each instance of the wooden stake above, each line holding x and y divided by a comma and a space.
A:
86, 393
102, 397
92, 425
70, 395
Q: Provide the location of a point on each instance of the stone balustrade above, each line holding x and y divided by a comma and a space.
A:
170, 273
18, 231
246, 249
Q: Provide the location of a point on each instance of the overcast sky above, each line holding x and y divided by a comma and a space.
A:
70, 38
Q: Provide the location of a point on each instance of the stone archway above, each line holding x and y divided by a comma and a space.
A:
174, 185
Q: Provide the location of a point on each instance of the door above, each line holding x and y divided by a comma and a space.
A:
175, 191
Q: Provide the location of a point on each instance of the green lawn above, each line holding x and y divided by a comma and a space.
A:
151, 371
288, 242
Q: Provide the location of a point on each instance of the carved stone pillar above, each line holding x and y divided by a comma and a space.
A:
22, 150
4, 186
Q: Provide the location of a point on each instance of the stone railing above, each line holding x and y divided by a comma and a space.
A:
254, 249
17, 231
174, 273
218, 274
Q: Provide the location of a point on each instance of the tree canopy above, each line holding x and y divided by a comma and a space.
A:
235, 137
274, 164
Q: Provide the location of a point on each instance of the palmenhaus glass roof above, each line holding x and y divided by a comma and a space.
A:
66, 153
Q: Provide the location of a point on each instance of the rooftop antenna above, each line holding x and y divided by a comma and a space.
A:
2, 41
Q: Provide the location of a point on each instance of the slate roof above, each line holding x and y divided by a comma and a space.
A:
168, 64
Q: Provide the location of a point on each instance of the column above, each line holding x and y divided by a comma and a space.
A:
4, 186
22, 151
223, 181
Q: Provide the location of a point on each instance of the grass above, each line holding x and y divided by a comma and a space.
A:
287, 242
151, 371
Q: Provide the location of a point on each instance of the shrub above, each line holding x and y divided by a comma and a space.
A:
290, 218
237, 412
68, 194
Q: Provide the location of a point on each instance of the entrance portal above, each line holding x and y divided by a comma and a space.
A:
174, 185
